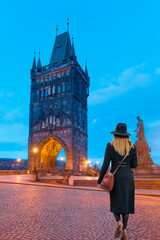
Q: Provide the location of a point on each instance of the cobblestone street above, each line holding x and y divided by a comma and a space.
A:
43, 213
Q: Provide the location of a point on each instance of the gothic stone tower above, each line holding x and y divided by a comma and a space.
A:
58, 109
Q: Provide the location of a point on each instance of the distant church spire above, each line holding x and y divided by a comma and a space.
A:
34, 61
39, 65
72, 53
86, 69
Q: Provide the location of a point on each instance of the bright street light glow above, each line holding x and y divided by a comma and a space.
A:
35, 150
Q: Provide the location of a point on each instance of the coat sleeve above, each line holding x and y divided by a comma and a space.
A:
134, 160
106, 162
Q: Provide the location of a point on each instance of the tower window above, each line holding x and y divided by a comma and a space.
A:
42, 93
59, 88
50, 119
53, 89
46, 92
63, 88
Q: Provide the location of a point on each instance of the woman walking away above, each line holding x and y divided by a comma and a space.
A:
123, 193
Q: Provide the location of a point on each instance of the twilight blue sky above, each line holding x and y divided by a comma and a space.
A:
121, 40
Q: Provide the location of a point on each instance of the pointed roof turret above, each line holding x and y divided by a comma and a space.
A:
34, 61
86, 69
39, 65
62, 48
72, 53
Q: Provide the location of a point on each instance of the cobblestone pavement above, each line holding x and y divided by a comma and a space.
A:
43, 213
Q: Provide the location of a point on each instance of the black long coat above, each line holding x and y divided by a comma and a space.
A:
123, 194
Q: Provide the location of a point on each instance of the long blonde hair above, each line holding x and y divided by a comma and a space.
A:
121, 144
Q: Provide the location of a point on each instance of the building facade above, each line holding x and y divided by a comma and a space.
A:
58, 109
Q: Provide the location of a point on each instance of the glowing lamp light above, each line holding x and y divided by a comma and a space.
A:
97, 162
18, 159
62, 158
35, 150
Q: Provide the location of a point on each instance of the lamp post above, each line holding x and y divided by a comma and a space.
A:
18, 160
35, 151
62, 158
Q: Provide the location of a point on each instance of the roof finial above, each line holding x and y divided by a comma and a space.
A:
67, 24
56, 29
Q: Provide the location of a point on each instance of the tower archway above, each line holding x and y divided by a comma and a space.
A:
49, 149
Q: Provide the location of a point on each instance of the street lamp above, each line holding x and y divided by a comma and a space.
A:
18, 160
35, 151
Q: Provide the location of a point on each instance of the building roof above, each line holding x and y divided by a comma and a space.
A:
62, 48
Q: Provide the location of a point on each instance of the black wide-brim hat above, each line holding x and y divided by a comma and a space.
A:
121, 130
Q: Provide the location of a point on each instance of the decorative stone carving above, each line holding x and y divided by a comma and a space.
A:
143, 150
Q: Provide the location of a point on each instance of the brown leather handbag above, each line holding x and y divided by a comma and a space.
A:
108, 179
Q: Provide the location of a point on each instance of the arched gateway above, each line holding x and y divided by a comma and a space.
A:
58, 109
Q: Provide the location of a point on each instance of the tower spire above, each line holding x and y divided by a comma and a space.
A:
39, 65
72, 53
34, 61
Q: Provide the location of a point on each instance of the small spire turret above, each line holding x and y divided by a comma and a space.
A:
34, 61
39, 65
86, 69
72, 52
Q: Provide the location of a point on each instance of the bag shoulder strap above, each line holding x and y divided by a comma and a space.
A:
121, 162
